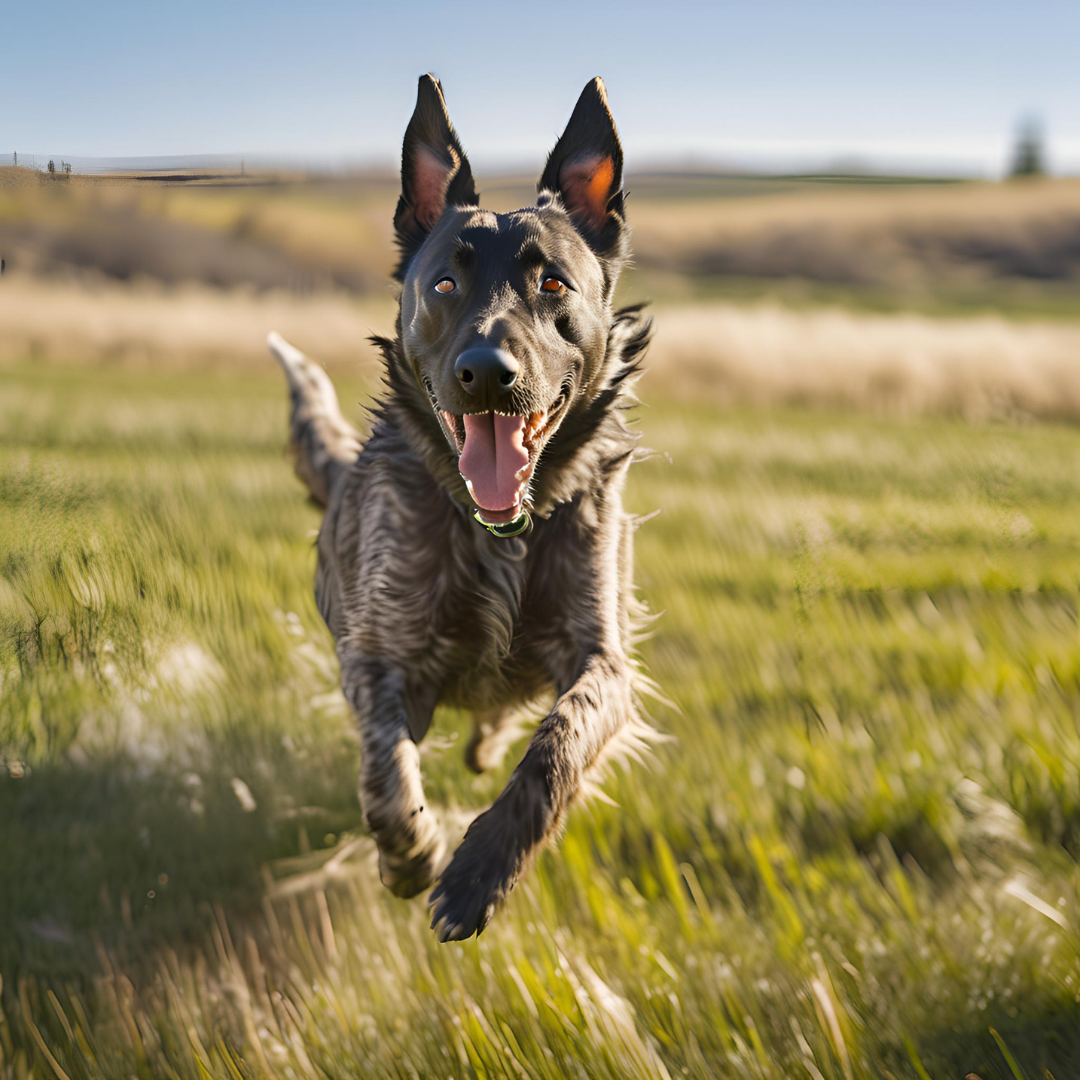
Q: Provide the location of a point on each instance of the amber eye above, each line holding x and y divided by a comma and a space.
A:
553, 285
445, 285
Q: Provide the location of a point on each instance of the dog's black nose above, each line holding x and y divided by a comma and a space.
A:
486, 373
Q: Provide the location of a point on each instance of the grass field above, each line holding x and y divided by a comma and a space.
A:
856, 857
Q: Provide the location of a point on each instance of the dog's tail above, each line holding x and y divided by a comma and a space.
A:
323, 444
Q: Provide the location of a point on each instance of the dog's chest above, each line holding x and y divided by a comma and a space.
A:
509, 628
493, 631
475, 618
481, 671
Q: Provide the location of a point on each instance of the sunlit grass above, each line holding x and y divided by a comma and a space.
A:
855, 859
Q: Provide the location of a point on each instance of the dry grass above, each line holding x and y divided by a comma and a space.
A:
190, 325
266, 234
978, 368
912, 238
674, 220
940, 244
728, 354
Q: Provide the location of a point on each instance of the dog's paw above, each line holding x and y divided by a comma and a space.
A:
479, 878
409, 876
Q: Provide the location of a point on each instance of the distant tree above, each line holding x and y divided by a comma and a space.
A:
1029, 158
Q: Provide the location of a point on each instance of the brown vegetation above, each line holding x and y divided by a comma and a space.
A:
725, 353
901, 237
266, 236
300, 235
985, 367
197, 272
187, 326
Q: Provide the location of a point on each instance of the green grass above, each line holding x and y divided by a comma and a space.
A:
856, 858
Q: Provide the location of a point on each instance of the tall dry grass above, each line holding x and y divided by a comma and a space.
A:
979, 368
762, 354
188, 325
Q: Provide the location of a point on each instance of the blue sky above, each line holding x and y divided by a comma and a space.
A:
755, 83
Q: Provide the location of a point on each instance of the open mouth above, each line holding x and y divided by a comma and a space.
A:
497, 454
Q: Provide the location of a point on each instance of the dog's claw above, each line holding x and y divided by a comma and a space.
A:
471, 888
446, 927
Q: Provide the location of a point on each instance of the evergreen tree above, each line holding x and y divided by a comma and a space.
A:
1028, 156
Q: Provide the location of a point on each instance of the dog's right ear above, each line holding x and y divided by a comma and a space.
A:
435, 172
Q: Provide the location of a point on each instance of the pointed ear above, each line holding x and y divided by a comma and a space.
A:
435, 172
585, 170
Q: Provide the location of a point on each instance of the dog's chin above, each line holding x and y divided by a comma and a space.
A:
500, 503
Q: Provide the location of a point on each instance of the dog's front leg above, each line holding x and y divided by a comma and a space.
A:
500, 842
410, 841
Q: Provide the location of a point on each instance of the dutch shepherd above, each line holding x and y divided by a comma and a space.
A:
475, 551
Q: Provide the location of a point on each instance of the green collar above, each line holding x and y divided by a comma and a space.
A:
511, 528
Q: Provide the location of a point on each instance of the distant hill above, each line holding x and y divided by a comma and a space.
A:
882, 242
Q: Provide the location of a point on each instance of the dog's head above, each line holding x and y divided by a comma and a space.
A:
505, 318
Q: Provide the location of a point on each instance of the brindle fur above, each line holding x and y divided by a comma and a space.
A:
426, 607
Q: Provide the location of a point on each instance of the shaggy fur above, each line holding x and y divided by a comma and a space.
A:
426, 605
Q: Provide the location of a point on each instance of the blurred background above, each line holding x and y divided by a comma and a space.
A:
859, 230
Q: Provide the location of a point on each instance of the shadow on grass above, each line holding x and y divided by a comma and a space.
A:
132, 848
112, 850
1044, 1042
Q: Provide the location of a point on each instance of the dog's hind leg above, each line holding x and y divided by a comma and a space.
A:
410, 841
321, 441
496, 730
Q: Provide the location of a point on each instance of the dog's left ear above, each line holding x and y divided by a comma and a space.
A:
435, 172
585, 171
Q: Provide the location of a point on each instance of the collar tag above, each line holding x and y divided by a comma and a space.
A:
510, 528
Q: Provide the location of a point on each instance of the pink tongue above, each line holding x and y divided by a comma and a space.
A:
492, 457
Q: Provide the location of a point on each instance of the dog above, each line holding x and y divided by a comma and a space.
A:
475, 551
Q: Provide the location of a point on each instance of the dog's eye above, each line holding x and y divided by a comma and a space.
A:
445, 285
553, 285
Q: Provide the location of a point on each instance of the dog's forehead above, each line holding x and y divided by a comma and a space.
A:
518, 233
